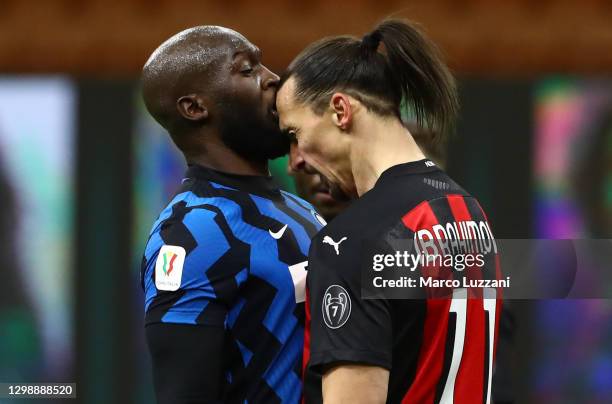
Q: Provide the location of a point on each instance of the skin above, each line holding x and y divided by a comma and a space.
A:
311, 187
200, 84
356, 384
350, 147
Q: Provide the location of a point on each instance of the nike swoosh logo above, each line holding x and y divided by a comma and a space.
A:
279, 233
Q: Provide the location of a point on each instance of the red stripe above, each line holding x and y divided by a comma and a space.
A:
431, 354
461, 213
421, 216
470, 378
171, 263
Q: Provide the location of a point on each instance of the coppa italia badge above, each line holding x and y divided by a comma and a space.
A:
336, 306
169, 259
169, 268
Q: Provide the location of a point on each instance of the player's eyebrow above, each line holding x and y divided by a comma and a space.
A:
250, 52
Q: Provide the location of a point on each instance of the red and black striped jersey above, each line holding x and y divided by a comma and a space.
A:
434, 329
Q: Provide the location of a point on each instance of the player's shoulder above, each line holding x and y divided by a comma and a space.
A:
296, 199
379, 210
337, 247
195, 208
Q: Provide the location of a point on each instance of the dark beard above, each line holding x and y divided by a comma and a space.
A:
250, 135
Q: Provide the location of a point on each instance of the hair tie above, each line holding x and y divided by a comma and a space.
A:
371, 41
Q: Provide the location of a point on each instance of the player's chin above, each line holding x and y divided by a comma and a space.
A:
339, 194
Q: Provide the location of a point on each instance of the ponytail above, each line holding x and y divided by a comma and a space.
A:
417, 67
391, 66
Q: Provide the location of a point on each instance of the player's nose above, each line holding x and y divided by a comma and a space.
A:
270, 79
296, 160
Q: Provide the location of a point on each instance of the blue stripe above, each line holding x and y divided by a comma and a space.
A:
220, 186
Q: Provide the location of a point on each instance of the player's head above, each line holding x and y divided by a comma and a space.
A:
310, 186
338, 84
207, 86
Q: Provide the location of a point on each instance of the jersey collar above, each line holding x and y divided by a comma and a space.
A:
413, 167
254, 184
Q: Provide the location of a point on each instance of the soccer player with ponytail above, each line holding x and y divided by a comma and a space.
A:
340, 101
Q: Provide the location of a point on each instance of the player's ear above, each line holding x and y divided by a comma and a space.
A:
342, 112
192, 107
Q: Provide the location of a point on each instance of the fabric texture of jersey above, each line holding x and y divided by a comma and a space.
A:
438, 350
245, 248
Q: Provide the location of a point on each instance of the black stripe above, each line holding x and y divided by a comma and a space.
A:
474, 209
442, 210
477, 214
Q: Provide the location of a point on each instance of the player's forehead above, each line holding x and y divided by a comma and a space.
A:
236, 43
286, 104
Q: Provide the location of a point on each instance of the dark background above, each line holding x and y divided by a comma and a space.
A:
516, 62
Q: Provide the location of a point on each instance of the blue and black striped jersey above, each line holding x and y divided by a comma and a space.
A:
231, 251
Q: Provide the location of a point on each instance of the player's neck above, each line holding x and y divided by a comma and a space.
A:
386, 143
219, 157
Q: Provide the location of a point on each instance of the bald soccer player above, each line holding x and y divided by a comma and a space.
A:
224, 267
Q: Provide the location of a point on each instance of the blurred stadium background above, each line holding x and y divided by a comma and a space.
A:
84, 171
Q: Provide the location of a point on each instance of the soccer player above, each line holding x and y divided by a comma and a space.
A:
340, 101
311, 187
224, 267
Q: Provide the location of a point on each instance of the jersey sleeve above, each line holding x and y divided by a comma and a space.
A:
344, 327
192, 269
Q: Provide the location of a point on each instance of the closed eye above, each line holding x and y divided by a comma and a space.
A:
246, 70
